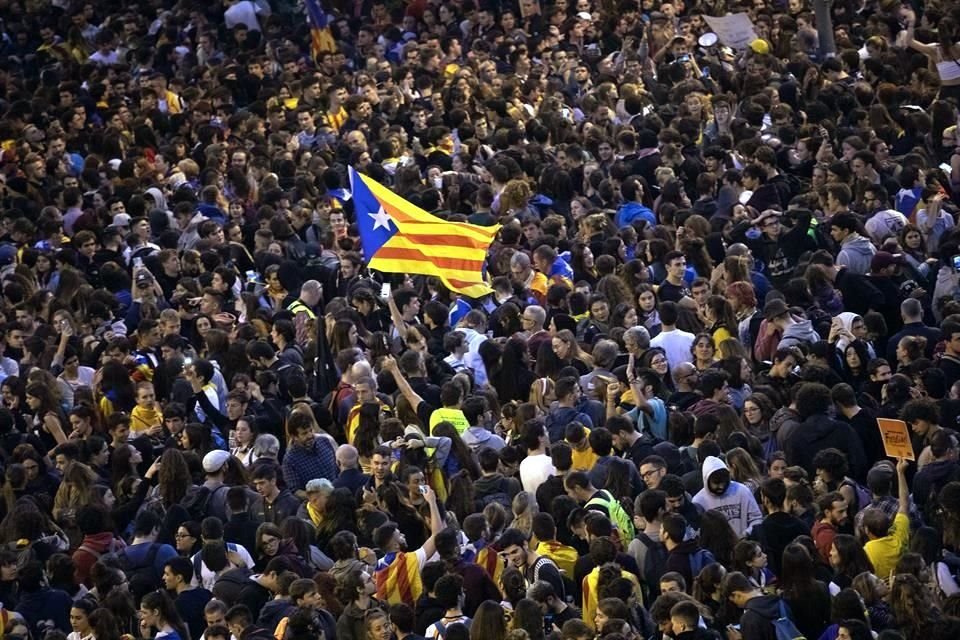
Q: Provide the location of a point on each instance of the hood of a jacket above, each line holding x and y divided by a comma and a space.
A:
479, 434
802, 330
631, 210
100, 541
489, 483
711, 465
766, 606
817, 426
858, 244
341, 568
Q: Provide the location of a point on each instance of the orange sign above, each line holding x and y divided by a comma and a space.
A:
896, 438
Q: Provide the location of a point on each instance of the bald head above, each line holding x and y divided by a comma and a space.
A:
347, 457
360, 369
684, 374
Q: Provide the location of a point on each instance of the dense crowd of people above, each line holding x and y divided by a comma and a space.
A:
715, 269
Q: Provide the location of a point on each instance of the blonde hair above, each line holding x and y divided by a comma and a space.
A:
77, 489
524, 507
516, 194
540, 391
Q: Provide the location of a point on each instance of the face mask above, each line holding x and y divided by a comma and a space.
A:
437, 182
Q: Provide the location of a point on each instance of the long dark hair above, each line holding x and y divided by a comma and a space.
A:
511, 364
797, 577
160, 601
718, 537
116, 385
368, 429
458, 447
853, 559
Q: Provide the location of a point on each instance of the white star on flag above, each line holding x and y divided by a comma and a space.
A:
381, 219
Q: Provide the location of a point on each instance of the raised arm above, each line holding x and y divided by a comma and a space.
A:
397, 317
929, 50
903, 489
436, 522
390, 364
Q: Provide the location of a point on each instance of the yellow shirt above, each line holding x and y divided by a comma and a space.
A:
451, 415
885, 552
719, 336
583, 460
591, 596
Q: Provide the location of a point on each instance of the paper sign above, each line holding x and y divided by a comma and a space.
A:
734, 30
896, 438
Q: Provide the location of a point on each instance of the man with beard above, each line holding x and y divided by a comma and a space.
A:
734, 500
397, 573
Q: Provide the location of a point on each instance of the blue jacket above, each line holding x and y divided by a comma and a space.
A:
630, 211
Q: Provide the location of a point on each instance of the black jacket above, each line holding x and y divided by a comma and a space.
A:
774, 534
820, 432
810, 611
932, 334
859, 293
758, 616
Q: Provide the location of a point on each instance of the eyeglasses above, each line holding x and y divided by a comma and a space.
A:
181, 536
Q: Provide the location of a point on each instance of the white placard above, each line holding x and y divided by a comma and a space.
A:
734, 30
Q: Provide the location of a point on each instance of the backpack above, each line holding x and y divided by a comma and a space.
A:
620, 518
500, 496
197, 504
25, 554
540, 563
96, 554
442, 628
699, 559
654, 566
784, 627
229, 584
864, 496
142, 578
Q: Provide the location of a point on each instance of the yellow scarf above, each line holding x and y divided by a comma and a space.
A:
315, 516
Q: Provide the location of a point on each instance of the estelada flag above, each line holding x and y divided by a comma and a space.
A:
321, 38
399, 237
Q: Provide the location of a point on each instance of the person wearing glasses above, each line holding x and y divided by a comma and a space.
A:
187, 539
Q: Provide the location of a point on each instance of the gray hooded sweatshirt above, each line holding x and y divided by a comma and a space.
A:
737, 503
797, 333
856, 252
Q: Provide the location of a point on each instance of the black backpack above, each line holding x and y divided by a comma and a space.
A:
197, 503
229, 584
500, 496
654, 566
142, 577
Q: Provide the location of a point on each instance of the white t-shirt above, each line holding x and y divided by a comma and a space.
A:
208, 577
534, 471
676, 344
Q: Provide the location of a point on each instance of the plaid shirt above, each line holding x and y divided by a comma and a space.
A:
302, 464
890, 505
